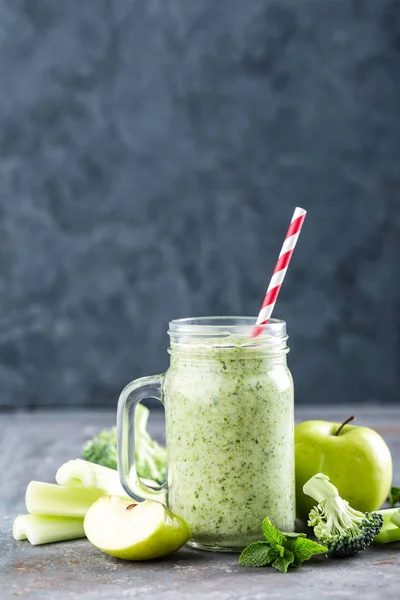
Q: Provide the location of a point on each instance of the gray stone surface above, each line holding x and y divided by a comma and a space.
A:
151, 154
33, 446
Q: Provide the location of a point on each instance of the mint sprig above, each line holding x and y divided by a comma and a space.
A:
281, 550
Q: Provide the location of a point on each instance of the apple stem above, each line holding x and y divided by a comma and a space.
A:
131, 506
345, 423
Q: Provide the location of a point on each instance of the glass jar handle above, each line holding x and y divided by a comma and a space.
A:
135, 392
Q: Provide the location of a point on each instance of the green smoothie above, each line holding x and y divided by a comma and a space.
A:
229, 420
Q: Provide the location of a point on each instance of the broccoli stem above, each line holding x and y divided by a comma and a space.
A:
41, 529
390, 531
320, 488
61, 501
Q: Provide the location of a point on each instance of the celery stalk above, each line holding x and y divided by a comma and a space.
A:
80, 472
59, 500
390, 532
90, 475
43, 529
390, 516
395, 519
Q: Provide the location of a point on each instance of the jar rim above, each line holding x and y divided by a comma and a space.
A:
225, 326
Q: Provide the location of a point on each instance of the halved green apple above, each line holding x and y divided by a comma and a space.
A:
132, 531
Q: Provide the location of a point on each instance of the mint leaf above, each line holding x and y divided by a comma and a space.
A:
303, 549
394, 497
271, 534
280, 550
257, 554
282, 563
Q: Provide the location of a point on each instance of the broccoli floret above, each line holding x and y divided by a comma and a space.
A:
151, 458
344, 530
102, 449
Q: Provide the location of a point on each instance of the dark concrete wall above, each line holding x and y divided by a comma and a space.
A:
151, 154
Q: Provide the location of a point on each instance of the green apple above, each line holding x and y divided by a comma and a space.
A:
356, 459
133, 531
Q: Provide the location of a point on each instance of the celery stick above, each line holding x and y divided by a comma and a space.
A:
90, 475
390, 532
59, 500
43, 529
395, 519
388, 514
80, 472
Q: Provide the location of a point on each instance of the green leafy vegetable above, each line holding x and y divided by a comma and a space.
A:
273, 536
102, 449
394, 496
283, 562
151, 458
336, 524
304, 549
257, 554
281, 550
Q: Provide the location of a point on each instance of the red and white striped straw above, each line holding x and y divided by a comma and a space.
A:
280, 269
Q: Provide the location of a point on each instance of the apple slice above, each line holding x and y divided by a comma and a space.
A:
132, 531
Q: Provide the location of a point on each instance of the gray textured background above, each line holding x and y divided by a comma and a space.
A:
151, 154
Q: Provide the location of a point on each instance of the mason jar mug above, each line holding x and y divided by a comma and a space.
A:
228, 402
